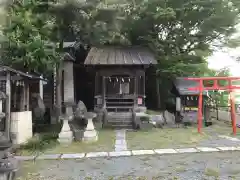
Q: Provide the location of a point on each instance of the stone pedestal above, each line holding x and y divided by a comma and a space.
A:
21, 127
65, 137
90, 134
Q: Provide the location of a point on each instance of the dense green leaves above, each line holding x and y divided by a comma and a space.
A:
179, 32
27, 37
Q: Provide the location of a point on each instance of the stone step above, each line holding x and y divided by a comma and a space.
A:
119, 124
119, 119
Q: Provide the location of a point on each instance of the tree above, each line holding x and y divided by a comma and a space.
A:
178, 30
180, 33
27, 34
220, 98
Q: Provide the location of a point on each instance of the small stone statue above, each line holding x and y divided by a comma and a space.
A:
81, 109
80, 113
38, 107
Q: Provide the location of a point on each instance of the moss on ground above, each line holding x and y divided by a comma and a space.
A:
212, 172
153, 112
48, 144
164, 138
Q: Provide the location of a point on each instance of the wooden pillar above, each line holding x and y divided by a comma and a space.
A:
15, 95
144, 85
41, 87
233, 111
22, 96
104, 91
200, 105
96, 84
26, 106
59, 90
135, 90
8, 106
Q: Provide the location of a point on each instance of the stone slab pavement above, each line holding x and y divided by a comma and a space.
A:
182, 166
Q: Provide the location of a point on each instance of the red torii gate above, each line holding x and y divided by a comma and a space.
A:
215, 86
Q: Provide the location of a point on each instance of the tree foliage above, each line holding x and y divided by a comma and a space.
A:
179, 32
27, 34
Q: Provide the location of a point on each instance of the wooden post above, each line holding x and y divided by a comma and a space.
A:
8, 105
58, 91
104, 91
144, 88
233, 110
23, 97
135, 91
96, 84
41, 87
15, 95
26, 96
200, 99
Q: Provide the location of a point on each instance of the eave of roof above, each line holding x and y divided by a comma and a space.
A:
27, 75
109, 55
183, 86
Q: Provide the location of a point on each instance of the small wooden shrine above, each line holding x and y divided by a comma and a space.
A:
119, 81
17, 86
189, 99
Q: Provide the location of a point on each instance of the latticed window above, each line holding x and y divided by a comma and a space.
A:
119, 85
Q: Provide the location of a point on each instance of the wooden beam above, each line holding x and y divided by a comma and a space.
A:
8, 106
14, 78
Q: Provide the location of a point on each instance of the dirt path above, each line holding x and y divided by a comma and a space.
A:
198, 166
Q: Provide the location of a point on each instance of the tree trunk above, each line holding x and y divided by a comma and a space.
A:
158, 93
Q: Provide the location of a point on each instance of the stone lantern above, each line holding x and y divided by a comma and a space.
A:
90, 134
66, 135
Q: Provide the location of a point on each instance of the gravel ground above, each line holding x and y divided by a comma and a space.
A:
196, 166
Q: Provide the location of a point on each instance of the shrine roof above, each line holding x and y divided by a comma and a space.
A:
182, 85
21, 73
109, 55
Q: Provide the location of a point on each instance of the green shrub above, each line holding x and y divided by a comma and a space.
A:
41, 143
145, 118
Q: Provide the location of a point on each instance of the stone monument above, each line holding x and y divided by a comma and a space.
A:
38, 107
90, 134
81, 110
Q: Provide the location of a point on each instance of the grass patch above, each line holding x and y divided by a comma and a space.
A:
164, 138
180, 169
106, 142
28, 171
211, 172
153, 112
222, 128
38, 144
47, 143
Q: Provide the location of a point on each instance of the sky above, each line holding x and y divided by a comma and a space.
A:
226, 57
220, 59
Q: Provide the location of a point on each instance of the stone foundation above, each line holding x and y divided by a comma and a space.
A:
21, 127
